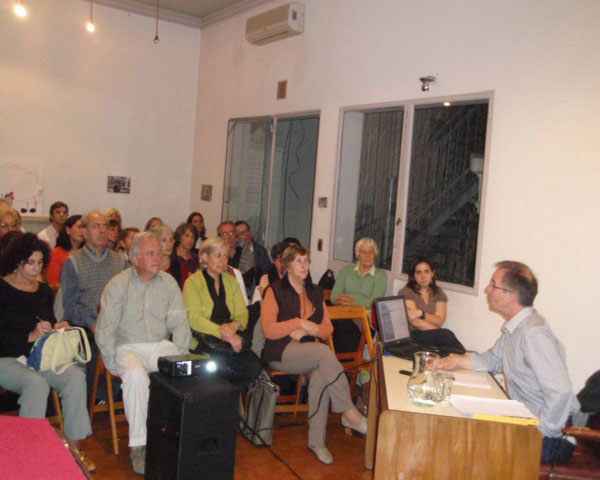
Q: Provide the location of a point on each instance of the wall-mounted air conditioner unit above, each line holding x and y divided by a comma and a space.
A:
273, 25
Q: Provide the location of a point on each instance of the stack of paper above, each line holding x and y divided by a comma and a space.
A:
494, 409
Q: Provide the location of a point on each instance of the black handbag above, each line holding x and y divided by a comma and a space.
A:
257, 423
209, 344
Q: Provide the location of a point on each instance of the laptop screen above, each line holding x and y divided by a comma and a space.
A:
392, 318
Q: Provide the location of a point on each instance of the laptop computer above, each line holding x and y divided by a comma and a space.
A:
394, 329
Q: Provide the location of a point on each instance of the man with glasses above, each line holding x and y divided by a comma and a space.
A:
141, 308
531, 357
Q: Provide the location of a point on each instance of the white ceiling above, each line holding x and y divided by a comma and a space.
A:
194, 13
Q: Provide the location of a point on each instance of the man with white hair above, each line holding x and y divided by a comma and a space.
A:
141, 308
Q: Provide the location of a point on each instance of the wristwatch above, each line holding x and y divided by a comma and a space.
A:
422, 315
240, 328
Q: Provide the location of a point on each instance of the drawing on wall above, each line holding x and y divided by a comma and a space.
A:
21, 185
119, 184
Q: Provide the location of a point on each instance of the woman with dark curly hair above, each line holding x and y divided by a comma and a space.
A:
70, 238
197, 220
27, 315
426, 306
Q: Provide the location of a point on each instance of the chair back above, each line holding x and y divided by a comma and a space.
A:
344, 312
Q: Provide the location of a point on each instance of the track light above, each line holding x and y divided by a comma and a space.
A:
20, 10
90, 25
156, 39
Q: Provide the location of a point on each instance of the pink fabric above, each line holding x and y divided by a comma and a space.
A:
31, 449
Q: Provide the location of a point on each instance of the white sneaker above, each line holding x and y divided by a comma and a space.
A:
322, 454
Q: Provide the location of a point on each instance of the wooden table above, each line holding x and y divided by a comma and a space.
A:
409, 442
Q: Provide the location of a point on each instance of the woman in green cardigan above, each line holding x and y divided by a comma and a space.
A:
216, 308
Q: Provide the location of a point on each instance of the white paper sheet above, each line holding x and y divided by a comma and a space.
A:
490, 406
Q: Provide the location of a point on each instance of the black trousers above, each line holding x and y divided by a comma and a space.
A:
440, 337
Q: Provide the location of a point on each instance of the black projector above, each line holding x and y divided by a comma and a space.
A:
190, 365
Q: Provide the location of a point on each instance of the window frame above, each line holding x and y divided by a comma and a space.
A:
395, 274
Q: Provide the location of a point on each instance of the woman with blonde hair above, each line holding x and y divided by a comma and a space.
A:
218, 315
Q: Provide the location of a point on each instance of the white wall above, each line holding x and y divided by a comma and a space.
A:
91, 105
541, 60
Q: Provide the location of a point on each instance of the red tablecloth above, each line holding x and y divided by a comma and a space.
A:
31, 449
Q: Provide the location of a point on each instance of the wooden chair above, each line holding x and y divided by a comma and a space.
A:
111, 406
353, 362
585, 464
290, 403
326, 294
56, 419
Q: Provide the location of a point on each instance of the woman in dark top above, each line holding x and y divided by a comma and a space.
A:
426, 306
296, 322
216, 308
186, 236
197, 220
27, 315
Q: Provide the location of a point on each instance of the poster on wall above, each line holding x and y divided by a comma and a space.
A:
21, 185
119, 184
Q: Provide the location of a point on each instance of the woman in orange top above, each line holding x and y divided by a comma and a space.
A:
69, 238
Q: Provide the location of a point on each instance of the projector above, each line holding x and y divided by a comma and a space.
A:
190, 365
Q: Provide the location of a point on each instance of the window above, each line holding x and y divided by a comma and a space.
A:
269, 178
417, 197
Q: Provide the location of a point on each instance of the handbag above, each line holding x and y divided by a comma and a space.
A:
60, 348
212, 345
257, 423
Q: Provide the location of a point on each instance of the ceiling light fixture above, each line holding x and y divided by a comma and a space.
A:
90, 25
156, 39
426, 82
20, 10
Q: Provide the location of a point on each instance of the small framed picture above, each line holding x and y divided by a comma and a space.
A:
118, 184
206, 193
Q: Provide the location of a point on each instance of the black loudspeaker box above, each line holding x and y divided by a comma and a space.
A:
192, 428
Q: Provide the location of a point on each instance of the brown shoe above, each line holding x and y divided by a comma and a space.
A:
91, 466
138, 459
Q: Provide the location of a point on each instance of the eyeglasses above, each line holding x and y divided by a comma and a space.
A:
226, 234
493, 285
152, 253
9, 225
302, 261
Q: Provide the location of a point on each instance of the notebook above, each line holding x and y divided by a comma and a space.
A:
395, 331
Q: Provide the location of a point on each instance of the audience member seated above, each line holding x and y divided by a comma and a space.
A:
426, 306
218, 315
59, 211
114, 214
126, 239
273, 273
84, 276
296, 323
226, 230
112, 235
70, 238
141, 308
197, 220
361, 283
25, 316
185, 240
251, 258
152, 223
169, 264
9, 220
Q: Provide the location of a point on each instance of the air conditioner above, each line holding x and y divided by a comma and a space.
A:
276, 24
